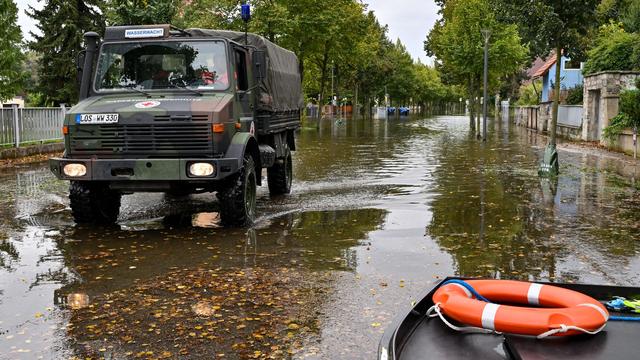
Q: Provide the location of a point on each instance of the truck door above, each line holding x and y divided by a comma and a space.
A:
244, 97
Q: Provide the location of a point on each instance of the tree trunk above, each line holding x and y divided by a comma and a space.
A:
355, 109
478, 110
472, 104
301, 67
323, 77
556, 97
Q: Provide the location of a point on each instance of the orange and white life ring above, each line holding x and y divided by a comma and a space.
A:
560, 312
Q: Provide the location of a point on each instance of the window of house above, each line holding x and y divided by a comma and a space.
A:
571, 65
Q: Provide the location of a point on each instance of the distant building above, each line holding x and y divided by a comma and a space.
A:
18, 100
570, 76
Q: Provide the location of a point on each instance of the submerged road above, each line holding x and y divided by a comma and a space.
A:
380, 211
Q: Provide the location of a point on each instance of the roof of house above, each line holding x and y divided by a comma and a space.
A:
551, 60
537, 64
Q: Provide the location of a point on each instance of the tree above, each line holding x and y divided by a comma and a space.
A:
62, 25
552, 25
626, 12
613, 49
141, 12
456, 41
321, 33
11, 75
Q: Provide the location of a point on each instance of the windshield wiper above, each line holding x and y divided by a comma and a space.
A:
137, 90
176, 86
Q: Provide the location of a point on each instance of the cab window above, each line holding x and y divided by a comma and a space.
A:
240, 60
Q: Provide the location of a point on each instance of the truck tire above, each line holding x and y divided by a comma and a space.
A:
238, 201
279, 176
94, 203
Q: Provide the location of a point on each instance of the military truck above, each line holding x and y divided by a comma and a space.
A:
180, 111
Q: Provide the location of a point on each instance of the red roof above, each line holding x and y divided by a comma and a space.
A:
545, 67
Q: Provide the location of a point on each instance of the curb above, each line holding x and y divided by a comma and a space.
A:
15, 153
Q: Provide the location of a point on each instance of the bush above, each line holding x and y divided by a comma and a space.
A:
616, 126
629, 116
575, 95
614, 49
527, 94
630, 103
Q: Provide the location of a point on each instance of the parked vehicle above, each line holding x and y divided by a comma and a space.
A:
182, 112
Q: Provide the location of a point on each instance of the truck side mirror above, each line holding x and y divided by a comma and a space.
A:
260, 65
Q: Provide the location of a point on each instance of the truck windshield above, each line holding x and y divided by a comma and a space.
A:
162, 65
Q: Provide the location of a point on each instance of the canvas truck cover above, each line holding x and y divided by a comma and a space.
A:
282, 88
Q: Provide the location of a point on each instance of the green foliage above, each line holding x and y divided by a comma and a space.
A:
321, 33
614, 49
630, 103
552, 25
457, 42
629, 116
529, 94
617, 125
141, 12
12, 76
62, 25
575, 95
630, 17
625, 12
547, 25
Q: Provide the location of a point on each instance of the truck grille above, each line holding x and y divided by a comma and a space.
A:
150, 140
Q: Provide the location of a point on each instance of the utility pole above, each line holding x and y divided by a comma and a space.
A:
333, 99
486, 34
386, 103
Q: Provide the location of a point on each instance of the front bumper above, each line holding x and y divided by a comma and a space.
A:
143, 169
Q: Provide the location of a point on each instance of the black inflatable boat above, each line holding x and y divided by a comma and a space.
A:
416, 336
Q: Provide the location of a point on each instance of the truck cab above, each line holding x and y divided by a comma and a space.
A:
180, 111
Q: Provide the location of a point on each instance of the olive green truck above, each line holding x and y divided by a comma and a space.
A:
182, 112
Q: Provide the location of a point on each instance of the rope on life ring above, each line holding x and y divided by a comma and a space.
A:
563, 311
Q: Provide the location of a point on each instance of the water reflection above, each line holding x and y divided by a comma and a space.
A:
498, 219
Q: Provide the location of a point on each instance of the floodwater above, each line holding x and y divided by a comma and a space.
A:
380, 211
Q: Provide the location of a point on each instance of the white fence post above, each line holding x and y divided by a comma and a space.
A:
16, 124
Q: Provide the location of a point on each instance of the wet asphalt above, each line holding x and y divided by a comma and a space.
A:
380, 211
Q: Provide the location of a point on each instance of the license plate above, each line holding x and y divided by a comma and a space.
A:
96, 118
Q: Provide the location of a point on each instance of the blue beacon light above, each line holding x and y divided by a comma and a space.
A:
245, 12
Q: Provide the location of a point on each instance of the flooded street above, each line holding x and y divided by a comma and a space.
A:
380, 210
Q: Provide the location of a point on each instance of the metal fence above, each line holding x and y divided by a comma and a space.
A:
570, 116
28, 125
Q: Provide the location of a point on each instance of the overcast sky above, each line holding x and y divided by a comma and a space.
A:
409, 20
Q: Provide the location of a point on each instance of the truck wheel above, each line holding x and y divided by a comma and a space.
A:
238, 201
279, 176
94, 203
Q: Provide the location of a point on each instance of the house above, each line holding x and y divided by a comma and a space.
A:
569, 123
570, 76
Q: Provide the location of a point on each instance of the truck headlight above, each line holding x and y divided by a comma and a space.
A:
201, 169
74, 170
